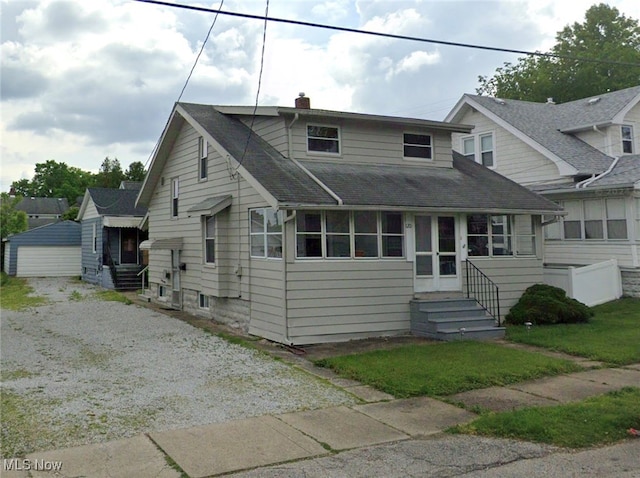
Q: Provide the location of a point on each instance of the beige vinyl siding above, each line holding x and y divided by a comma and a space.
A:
330, 301
232, 243
371, 143
602, 140
511, 275
512, 157
272, 130
588, 252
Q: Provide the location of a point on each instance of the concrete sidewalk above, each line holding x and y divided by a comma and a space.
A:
260, 441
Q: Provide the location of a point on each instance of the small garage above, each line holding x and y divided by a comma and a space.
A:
53, 250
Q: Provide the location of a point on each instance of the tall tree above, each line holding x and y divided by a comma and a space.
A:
604, 35
135, 172
55, 179
12, 221
110, 174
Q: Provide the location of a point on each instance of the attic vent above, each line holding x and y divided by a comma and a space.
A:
593, 101
500, 101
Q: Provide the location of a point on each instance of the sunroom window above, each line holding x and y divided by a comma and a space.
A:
266, 233
349, 234
495, 235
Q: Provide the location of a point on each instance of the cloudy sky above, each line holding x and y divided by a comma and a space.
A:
82, 80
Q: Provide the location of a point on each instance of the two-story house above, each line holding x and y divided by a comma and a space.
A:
304, 226
583, 155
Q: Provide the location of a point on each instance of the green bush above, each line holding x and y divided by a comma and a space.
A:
543, 304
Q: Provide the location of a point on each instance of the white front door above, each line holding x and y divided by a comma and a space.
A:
437, 260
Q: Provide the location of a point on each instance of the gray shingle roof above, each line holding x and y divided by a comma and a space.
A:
625, 173
279, 175
466, 186
116, 202
37, 206
542, 123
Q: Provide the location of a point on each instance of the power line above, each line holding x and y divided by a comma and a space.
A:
387, 35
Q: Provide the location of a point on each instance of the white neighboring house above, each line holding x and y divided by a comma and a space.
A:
581, 154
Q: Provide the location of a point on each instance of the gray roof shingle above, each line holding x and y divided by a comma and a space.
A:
116, 202
466, 186
542, 123
38, 206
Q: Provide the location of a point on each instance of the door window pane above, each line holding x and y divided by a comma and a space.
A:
446, 234
424, 266
423, 233
447, 265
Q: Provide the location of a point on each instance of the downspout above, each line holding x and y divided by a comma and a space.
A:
289, 218
586, 183
306, 171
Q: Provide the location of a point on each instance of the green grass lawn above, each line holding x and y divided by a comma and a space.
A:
595, 421
612, 335
439, 369
15, 294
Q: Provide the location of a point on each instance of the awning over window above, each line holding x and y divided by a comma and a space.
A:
122, 221
211, 206
157, 244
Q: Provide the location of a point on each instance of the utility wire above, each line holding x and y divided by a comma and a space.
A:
184, 87
255, 107
387, 35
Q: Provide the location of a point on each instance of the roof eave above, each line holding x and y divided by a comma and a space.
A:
380, 207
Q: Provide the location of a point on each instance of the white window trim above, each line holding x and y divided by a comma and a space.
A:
265, 235
94, 238
477, 145
175, 198
581, 220
203, 299
415, 158
205, 237
203, 154
631, 141
324, 153
512, 235
352, 235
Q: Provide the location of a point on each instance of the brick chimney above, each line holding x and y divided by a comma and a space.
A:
303, 102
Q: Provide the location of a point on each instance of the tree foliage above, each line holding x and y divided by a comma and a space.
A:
12, 221
604, 35
58, 180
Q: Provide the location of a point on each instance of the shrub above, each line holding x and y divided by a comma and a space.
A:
543, 304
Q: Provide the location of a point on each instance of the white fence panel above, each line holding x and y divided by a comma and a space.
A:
592, 285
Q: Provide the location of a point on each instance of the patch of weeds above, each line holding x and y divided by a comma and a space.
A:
76, 296
113, 296
16, 295
8, 375
598, 420
25, 428
172, 463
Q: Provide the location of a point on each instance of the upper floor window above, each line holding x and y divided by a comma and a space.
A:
479, 148
175, 191
627, 139
345, 234
323, 139
210, 239
265, 230
417, 146
203, 151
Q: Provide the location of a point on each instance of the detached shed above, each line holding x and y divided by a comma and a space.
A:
53, 250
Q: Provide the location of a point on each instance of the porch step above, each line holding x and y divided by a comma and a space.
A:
442, 320
128, 278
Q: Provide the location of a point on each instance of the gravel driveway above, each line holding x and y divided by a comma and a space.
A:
82, 370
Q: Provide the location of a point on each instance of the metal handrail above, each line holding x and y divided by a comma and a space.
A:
483, 290
146, 268
112, 266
